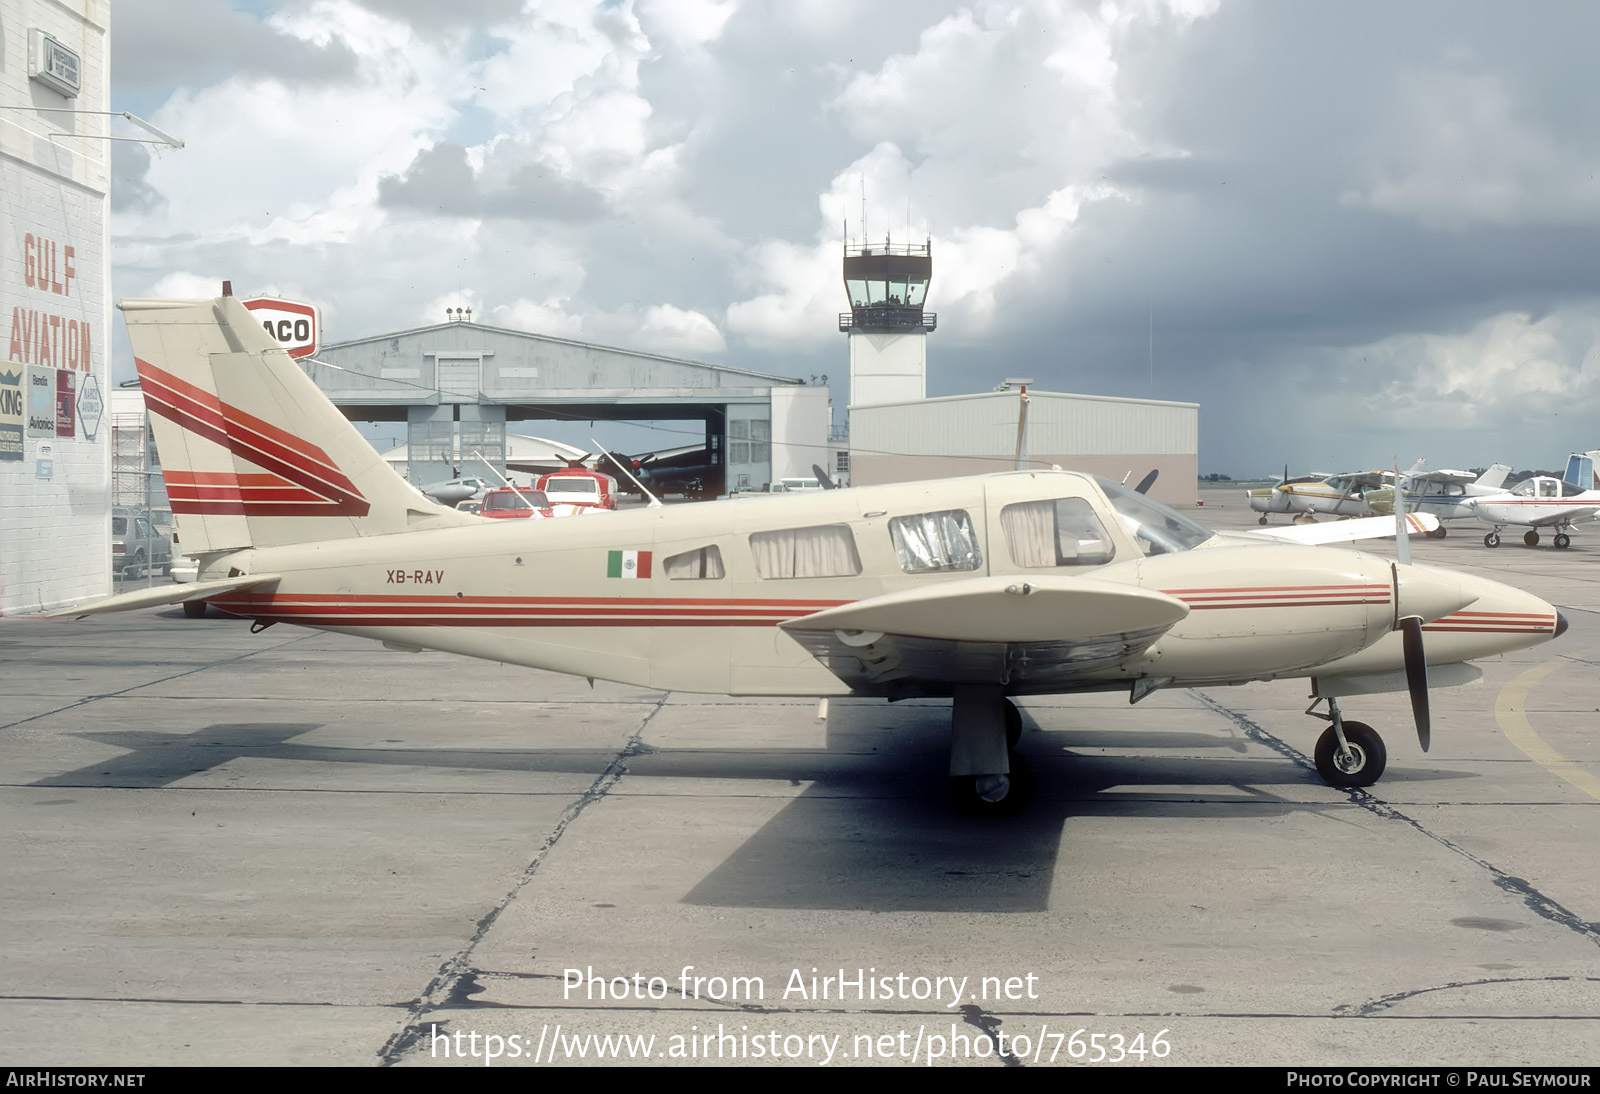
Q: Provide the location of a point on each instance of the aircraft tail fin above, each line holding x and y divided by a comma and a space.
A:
1495, 477
253, 453
1580, 470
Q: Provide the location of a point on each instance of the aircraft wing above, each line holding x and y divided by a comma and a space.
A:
162, 594
1028, 633
1441, 477
1342, 531
1573, 515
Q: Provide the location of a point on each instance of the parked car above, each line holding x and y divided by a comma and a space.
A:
511, 502
580, 487
136, 547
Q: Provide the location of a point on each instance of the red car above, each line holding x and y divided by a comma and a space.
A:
510, 502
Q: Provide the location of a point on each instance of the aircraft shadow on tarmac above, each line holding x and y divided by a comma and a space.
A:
871, 832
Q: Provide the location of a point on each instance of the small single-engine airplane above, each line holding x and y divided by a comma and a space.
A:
1351, 494
1016, 583
1540, 502
1272, 499
1448, 495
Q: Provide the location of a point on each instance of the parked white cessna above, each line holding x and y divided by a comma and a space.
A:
1448, 495
978, 588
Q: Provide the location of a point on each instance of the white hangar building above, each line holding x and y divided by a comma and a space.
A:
974, 434
457, 384
898, 435
55, 450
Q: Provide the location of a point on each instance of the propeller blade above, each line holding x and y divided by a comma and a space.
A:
1417, 677
1147, 482
822, 477
1402, 547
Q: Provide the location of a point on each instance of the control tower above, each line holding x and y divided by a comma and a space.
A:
888, 329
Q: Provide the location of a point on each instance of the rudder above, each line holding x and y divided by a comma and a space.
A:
253, 453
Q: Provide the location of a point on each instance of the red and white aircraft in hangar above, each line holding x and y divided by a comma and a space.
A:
976, 589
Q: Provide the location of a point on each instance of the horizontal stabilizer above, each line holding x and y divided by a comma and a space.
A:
1342, 531
1005, 609
162, 595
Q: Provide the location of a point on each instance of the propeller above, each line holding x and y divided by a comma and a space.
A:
1147, 482
1417, 678
822, 477
1410, 626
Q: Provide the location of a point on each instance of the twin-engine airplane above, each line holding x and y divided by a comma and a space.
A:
978, 589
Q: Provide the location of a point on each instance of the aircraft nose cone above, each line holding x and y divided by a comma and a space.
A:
1561, 625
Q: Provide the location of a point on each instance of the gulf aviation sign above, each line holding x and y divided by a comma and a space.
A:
295, 326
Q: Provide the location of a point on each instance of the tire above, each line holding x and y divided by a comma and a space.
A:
1263, 520
1492, 539
194, 609
135, 567
1370, 757
1438, 533
1531, 538
1563, 540
991, 800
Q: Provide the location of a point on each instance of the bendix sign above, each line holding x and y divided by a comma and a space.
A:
295, 326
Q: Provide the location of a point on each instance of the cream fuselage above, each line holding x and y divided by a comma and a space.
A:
537, 593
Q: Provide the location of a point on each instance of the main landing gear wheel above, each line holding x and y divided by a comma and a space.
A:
993, 795
1563, 540
1364, 763
1492, 539
1437, 533
1013, 725
1531, 538
1263, 520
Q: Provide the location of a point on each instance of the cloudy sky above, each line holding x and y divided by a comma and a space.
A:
1354, 230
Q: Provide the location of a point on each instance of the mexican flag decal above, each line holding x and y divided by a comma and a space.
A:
628, 564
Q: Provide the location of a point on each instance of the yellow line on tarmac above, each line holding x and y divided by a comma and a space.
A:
1509, 711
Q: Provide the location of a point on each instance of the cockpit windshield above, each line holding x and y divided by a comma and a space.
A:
1542, 487
1159, 529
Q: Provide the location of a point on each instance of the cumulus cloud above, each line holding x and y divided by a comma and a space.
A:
440, 181
155, 42
1316, 225
659, 328
1461, 152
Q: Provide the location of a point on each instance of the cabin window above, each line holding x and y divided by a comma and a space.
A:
702, 565
827, 550
1065, 532
931, 543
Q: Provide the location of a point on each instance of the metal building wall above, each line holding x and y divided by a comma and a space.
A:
55, 449
976, 434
